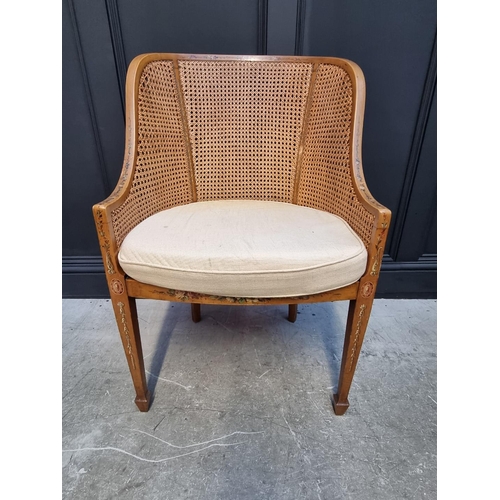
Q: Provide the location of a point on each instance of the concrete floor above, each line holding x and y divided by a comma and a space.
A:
242, 406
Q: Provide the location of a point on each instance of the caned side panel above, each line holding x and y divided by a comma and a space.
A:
162, 173
325, 177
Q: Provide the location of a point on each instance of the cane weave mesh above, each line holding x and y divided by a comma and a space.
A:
245, 123
162, 173
325, 175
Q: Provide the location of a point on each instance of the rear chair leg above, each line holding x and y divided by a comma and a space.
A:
357, 321
128, 325
292, 312
196, 312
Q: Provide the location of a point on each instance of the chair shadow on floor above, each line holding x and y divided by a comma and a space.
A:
332, 336
172, 316
328, 317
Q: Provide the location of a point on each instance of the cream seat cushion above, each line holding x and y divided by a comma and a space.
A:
244, 248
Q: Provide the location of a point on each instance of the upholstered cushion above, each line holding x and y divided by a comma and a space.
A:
244, 248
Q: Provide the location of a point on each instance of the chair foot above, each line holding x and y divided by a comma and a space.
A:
143, 403
196, 312
339, 407
292, 312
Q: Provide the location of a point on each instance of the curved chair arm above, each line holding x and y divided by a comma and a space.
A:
103, 211
382, 218
382, 215
122, 188
379, 227
331, 173
148, 182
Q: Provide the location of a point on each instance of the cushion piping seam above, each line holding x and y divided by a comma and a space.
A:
319, 266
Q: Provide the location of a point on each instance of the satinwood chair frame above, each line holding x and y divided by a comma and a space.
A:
371, 226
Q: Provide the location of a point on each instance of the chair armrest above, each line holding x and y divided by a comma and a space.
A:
150, 180
103, 211
380, 225
382, 215
331, 173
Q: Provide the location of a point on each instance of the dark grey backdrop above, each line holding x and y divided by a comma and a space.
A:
394, 42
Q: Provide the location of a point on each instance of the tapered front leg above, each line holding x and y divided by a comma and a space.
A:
128, 325
123, 306
357, 321
292, 312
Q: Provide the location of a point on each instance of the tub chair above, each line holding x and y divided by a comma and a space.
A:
242, 185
